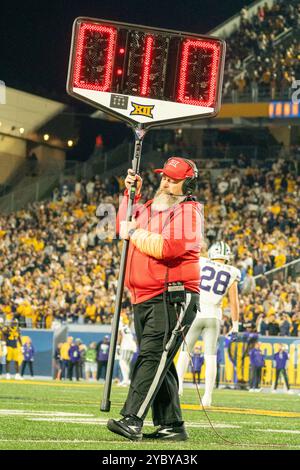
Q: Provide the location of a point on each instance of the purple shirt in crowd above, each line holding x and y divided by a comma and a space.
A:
74, 353
103, 352
257, 359
281, 359
28, 352
198, 360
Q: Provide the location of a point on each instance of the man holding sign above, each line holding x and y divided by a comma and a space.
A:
165, 242
148, 76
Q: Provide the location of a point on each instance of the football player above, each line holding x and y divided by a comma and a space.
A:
128, 347
13, 337
217, 279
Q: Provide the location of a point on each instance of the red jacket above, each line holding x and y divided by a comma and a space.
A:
181, 228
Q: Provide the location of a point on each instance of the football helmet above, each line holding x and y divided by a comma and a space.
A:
220, 250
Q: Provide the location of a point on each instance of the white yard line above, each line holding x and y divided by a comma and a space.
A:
100, 441
101, 422
38, 404
90, 419
69, 420
83, 418
285, 431
62, 441
42, 413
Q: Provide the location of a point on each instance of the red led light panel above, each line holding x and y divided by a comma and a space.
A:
109, 50
204, 46
129, 70
147, 65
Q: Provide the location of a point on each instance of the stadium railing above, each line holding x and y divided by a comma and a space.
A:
33, 188
232, 23
261, 95
281, 274
29, 193
255, 154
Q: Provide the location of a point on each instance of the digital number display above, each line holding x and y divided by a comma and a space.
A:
94, 57
146, 62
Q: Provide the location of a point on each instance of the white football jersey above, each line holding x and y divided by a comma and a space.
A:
216, 278
127, 342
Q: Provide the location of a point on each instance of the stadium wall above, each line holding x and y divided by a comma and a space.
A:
233, 370
46, 341
43, 341
50, 160
9, 163
15, 147
235, 367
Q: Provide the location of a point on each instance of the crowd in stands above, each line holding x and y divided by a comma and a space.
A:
271, 310
55, 268
257, 213
270, 67
52, 267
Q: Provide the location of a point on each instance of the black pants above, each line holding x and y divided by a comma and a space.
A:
218, 376
196, 375
154, 379
81, 369
256, 377
64, 368
30, 365
73, 365
278, 372
101, 365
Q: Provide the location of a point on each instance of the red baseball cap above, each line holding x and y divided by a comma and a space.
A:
176, 168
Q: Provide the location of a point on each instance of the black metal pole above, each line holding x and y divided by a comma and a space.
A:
140, 132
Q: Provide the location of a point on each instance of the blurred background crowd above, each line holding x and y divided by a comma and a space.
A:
262, 63
56, 267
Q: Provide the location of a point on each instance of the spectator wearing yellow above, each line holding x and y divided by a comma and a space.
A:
90, 312
73, 272
13, 341
280, 260
65, 357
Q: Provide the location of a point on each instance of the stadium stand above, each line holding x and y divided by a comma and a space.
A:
267, 60
56, 267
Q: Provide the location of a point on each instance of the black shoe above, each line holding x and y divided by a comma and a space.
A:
170, 433
129, 427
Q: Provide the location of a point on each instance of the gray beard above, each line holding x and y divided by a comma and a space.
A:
163, 201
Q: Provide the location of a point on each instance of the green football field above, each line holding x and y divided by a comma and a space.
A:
52, 415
